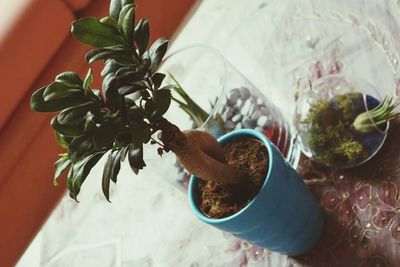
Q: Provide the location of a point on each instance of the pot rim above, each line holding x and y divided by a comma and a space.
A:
224, 139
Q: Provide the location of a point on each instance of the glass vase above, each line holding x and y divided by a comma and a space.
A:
325, 121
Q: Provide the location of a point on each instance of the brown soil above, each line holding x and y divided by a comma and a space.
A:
217, 200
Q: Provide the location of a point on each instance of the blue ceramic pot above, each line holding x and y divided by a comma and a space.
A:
283, 217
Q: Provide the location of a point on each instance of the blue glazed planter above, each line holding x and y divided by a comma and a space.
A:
283, 217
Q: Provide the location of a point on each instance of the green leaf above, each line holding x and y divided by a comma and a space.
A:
142, 35
110, 172
126, 60
90, 124
127, 89
106, 53
122, 139
115, 8
116, 5
126, 20
141, 133
135, 113
79, 171
61, 165
69, 77
66, 130
131, 88
92, 32
123, 70
110, 22
135, 158
104, 135
75, 115
57, 90
88, 80
80, 146
198, 114
157, 52
123, 153
62, 140
130, 76
162, 101
110, 91
157, 79
149, 108
109, 67
38, 103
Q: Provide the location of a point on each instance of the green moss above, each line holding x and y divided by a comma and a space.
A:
318, 111
349, 148
330, 135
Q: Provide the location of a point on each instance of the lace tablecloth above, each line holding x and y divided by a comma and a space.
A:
273, 42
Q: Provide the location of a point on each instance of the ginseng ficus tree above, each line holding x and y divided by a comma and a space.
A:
128, 111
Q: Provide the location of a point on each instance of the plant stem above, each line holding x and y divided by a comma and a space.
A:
200, 154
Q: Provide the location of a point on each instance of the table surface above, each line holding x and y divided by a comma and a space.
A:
273, 43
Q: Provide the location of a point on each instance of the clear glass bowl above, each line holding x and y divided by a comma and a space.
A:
325, 112
230, 99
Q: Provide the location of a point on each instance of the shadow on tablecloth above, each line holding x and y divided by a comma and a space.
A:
362, 210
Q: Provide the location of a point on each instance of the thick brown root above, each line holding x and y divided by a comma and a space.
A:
204, 157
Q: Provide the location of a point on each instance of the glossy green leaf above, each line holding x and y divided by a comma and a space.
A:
92, 32
162, 101
149, 108
62, 140
141, 133
60, 166
122, 139
57, 90
135, 113
109, 67
126, 60
142, 35
131, 88
130, 76
123, 70
110, 22
157, 79
157, 52
123, 153
126, 20
105, 135
106, 53
66, 130
116, 5
127, 89
75, 115
135, 158
87, 83
115, 8
79, 171
69, 77
90, 123
38, 103
110, 172
110, 91
80, 146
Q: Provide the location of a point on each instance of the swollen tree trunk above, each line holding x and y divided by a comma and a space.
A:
200, 154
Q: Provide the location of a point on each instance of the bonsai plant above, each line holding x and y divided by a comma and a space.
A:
346, 128
129, 113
